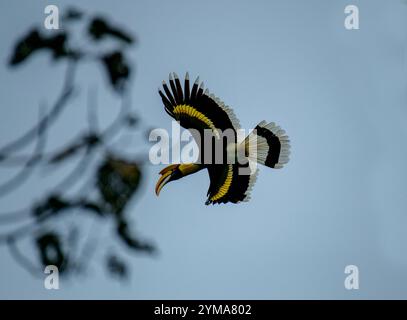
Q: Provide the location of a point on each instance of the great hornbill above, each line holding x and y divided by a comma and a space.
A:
197, 109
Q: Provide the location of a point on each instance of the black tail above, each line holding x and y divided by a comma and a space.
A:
268, 145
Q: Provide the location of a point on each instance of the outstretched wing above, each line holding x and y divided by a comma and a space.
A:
196, 108
230, 183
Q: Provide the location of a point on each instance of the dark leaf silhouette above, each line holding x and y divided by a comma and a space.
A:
53, 205
57, 44
99, 28
50, 251
34, 42
93, 207
88, 141
26, 46
72, 14
132, 120
130, 240
117, 68
116, 267
117, 181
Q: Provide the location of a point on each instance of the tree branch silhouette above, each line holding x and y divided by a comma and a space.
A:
41, 127
107, 182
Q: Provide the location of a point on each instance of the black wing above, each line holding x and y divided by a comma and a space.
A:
230, 183
195, 108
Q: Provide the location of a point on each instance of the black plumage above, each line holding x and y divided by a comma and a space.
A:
196, 109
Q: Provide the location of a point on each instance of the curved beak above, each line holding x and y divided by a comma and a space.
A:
166, 176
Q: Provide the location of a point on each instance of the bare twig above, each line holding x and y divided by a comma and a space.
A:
75, 175
17, 233
15, 216
93, 120
25, 172
23, 260
40, 127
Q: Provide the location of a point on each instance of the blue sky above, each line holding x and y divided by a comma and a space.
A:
339, 94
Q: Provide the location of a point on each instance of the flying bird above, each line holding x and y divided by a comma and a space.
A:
197, 109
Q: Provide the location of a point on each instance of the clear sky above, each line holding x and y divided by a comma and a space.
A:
339, 94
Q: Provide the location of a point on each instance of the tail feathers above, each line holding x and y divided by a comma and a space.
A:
267, 144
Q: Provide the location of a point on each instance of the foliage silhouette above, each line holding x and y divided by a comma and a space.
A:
50, 251
117, 68
108, 185
99, 28
117, 267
